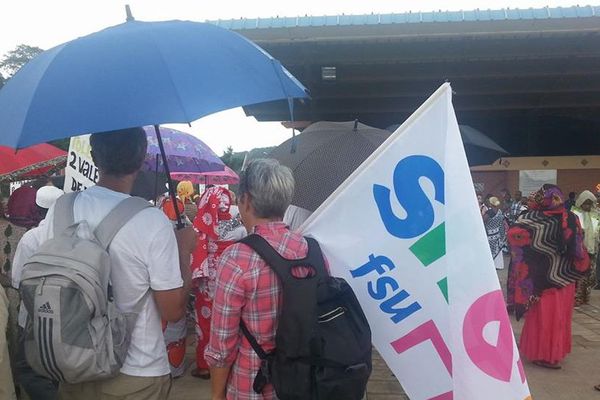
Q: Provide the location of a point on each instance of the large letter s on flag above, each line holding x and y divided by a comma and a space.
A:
420, 214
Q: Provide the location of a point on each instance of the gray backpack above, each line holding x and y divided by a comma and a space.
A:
74, 331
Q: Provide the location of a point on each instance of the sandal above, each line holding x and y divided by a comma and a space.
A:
597, 387
201, 373
548, 365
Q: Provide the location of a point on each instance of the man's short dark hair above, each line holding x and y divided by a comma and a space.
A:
119, 152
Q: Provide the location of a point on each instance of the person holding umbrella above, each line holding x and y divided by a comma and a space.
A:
97, 79
146, 257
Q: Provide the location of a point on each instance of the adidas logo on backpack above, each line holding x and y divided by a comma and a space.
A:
45, 308
74, 332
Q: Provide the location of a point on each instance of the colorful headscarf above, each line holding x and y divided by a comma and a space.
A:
185, 191
213, 207
548, 198
213, 210
21, 208
547, 248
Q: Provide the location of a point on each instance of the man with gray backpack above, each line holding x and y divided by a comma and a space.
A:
98, 275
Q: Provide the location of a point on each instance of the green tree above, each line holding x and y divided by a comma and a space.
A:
227, 156
62, 143
15, 59
233, 160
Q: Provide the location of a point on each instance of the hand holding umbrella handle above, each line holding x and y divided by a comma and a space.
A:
180, 224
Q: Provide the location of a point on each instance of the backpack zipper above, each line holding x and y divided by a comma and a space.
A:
331, 315
40, 286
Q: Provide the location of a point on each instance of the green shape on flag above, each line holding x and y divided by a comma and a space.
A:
443, 285
432, 246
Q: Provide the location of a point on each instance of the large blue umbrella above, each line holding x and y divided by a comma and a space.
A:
135, 74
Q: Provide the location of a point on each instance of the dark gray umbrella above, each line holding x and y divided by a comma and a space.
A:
326, 154
480, 148
474, 137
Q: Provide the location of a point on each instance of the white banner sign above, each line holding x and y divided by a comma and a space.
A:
533, 179
80, 173
405, 231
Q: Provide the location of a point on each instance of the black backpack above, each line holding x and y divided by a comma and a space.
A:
323, 340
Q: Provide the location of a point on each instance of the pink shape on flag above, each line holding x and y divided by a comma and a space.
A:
444, 396
426, 331
494, 360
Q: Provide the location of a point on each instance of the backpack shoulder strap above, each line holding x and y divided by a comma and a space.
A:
283, 266
315, 257
117, 218
260, 352
63, 212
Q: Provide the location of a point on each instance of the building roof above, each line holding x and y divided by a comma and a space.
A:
527, 78
506, 14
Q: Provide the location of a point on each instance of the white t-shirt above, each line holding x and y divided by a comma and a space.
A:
144, 256
295, 216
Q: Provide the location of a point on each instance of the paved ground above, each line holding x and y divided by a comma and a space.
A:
581, 369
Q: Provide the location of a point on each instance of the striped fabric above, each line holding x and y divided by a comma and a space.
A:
549, 247
46, 346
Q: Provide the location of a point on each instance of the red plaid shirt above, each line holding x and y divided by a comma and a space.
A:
247, 288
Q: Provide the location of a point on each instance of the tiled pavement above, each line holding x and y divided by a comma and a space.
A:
575, 381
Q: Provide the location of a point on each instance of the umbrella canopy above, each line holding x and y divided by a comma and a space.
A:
30, 162
184, 152
326, 154
225, 177
474, 137
137, 74
480, 148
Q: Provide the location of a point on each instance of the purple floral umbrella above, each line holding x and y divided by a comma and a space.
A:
185, 153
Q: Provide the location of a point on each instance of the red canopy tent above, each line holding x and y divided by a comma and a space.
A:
30, 162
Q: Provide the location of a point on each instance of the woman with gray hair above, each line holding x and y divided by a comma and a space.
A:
246, 287
268, 187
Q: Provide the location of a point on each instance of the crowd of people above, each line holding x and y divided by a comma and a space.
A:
551, 242
172, 277
169, 277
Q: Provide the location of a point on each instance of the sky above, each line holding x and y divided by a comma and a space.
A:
45, 24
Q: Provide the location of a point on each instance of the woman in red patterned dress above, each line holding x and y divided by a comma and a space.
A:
213, 223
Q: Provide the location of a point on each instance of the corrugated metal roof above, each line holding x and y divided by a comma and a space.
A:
412, 17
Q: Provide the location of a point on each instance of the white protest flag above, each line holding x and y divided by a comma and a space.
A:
405, 231
80, 172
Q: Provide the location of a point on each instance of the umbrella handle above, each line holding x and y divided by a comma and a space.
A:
171, 189
156, 181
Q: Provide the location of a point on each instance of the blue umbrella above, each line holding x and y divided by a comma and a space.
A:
135, 74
